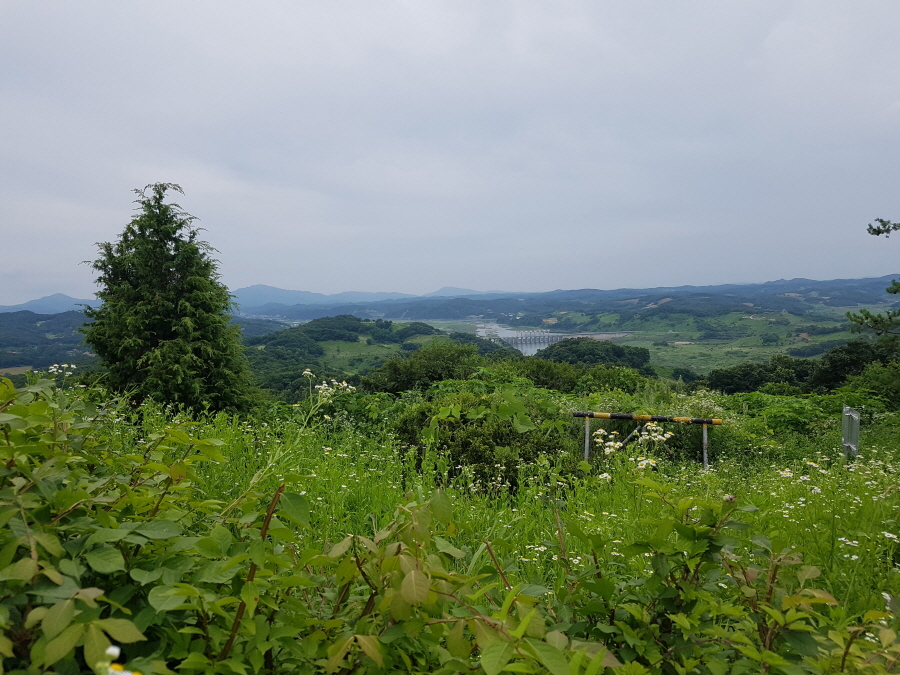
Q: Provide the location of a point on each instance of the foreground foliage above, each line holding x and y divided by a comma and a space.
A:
110, 538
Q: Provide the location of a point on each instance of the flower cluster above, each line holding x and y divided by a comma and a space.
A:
644, 462
653, 433
64, 369
607, 440
327, 390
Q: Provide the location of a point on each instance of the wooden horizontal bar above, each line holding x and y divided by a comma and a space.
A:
648, 418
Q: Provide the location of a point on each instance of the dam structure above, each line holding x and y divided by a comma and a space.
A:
529, 342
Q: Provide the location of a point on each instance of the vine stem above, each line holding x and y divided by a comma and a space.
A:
497, 565
251, 575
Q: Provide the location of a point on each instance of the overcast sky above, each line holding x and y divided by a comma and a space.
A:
404, 146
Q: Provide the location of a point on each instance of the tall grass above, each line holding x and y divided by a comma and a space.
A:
841, 515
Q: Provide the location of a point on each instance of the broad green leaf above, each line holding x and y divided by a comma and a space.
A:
495, 656
21, 570
762, 542
522, 424
550, 657
121, 630
208, 547
557, 639
107, 534
159, 529
223, 538
58, 618
63, 645
49, 543
369, 644
341, 547
144, 577
210, 450
95, 645
105, 560
414, 587
35, 616
163, 598
337, 652
442, 507
295, 507
446, 547
808, 572
250, 596
524, 623
178, 436
457, 644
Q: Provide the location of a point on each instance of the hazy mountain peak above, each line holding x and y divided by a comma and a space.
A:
50, 304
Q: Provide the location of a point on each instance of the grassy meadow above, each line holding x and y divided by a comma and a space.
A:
842, 515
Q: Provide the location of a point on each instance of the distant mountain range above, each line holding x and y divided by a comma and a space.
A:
255, 297
49, 304
451, 302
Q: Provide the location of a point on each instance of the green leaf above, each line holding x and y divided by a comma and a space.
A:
369, 644
457, 644
107, 534
414, 587
22, 570
105, 560
522, 424
63, 645
550, 657
808, 572
341, 547
144, 577
250, 596
222, 537
121, 630
441, 507
159, 529
163, 598
208, 547
58, 618
495, 656
209, 449
296, 508
446, 547
762, 542
49, 543
337, 653
95, 646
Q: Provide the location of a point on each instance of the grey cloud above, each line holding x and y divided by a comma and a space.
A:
411, 145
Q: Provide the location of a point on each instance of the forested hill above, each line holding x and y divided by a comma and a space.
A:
795, 296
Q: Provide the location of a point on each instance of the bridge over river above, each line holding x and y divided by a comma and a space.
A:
530, 341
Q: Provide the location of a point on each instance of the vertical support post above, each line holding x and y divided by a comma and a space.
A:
705, 446
587, 438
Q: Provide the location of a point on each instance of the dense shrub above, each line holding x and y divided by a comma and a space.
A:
590, 352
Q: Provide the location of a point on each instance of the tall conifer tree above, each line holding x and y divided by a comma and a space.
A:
164, 329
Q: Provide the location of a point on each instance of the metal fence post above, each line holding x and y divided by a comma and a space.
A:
587, 438
705, 446
850, 431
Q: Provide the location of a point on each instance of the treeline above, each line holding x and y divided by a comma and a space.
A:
873, 367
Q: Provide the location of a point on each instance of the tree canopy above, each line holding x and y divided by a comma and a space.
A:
164, 329
591, 352
888, 323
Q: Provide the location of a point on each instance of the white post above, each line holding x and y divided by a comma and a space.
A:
705, 457
587, 438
